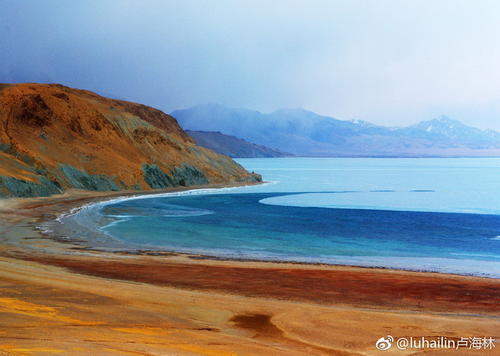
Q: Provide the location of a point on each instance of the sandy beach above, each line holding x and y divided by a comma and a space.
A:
62, 298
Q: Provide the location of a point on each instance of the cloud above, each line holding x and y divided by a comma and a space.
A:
390, 62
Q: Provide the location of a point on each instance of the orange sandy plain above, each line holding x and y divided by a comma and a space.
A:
60, 298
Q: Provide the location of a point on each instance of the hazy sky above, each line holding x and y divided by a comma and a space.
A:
389, 62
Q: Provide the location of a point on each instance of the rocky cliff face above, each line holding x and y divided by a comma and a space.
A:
53, 138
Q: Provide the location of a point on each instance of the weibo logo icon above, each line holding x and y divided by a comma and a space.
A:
384, 343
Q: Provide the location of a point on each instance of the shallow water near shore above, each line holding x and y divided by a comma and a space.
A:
438, 215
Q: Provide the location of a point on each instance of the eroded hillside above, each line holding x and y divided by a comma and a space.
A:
53, 138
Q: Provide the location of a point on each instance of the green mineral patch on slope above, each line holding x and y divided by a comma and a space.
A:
155, 177
10, 186
187, 175
83, 180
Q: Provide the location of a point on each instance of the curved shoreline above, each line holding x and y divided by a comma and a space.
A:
98, 240
58, 205
112, 243
164, 267
179, 303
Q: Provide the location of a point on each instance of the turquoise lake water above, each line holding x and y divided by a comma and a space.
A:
419, 214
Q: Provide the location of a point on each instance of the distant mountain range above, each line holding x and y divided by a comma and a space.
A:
232, 146
305, 133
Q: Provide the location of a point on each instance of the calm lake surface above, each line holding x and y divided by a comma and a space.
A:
419, 214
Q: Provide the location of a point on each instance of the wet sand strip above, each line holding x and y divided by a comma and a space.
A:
361, 287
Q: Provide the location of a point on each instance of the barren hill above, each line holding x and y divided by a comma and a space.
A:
53, 138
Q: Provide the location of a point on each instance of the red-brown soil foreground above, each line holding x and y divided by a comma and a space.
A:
59, 298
